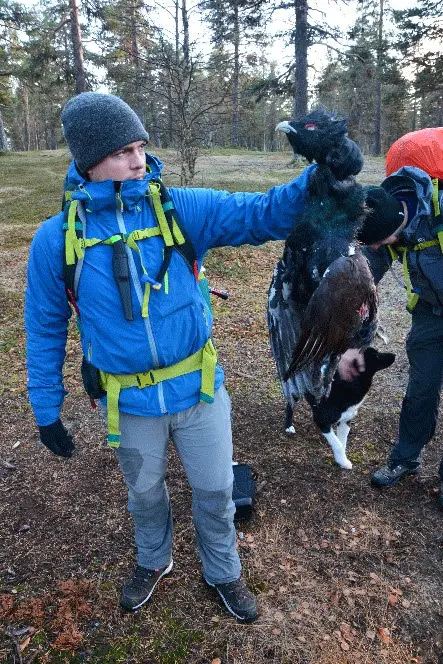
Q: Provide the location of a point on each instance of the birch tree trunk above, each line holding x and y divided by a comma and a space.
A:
26, 123
3, 142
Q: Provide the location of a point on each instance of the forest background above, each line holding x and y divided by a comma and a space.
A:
221, 74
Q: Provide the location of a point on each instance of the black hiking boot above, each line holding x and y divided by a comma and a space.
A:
391, 474
140, 587
238, 599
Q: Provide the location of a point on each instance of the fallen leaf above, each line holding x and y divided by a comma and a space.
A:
392, 599
296, 615
24, 644
276, 631
345, 628
384, 636
346, 632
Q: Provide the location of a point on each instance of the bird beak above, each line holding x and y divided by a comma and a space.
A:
286, 127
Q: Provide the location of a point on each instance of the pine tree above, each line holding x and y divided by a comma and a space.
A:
13, 17
366, 85
420, 43
234, 25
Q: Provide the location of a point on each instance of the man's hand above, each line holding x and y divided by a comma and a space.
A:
346, 160
57, 439
351, 364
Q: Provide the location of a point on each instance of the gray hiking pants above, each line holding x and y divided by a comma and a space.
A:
202, 437
419, 412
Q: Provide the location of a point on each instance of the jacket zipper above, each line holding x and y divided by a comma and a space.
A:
139, 293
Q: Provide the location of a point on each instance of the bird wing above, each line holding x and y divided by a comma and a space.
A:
284, 327
345, 299
284, 317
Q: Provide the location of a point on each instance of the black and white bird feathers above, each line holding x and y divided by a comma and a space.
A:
322, 299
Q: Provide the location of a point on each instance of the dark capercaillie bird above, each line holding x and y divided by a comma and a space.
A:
322, 299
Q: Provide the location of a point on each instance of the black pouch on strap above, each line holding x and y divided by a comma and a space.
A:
243, 491
91, 380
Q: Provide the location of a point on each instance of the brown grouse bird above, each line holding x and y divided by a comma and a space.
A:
322, 299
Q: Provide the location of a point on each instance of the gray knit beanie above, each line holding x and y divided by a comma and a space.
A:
95, 125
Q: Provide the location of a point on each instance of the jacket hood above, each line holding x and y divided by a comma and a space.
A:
412, 180
99, 195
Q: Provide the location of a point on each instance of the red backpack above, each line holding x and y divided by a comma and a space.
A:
422, 148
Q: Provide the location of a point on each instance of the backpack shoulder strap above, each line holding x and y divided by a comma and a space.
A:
73, 254
437, 200
172, 229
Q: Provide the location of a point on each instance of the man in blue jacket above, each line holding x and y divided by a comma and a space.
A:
147, 331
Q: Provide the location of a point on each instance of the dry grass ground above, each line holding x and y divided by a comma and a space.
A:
343, 573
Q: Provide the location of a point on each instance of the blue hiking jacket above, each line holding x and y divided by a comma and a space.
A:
179, 321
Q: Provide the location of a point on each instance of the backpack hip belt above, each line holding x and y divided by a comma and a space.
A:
204, 360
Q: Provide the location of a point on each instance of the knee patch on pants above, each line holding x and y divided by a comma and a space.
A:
155, 497
213, 509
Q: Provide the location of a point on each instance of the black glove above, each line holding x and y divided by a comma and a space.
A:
57, 439
346, 160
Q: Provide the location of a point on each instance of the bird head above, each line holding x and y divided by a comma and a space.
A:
322, 136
